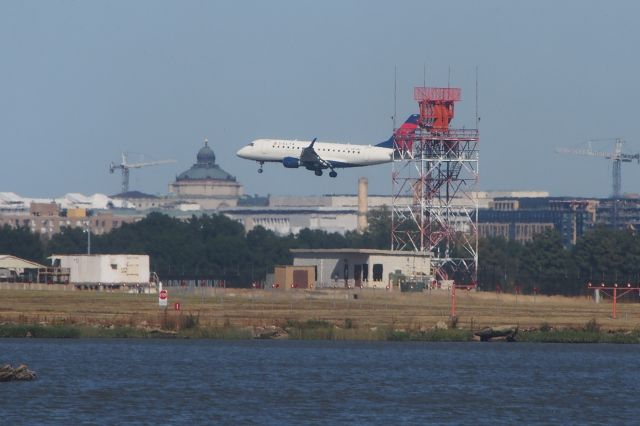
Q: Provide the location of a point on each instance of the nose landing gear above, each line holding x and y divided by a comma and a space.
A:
261, 164
333, 173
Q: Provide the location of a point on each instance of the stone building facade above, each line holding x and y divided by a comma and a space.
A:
206, 183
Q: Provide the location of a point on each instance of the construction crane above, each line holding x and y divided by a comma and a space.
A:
617, 157
125, 167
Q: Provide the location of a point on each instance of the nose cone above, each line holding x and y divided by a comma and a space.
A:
243, 152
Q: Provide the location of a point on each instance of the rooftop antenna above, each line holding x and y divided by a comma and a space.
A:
424, 75
477, 116
395, 95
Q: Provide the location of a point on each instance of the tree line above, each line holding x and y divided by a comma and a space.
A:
202, 247
216, 247
544, 265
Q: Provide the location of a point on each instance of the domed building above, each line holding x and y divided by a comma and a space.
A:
206, 183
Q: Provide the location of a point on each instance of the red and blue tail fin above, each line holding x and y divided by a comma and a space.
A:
403, 134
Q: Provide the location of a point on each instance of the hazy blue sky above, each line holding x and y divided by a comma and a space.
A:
82, 81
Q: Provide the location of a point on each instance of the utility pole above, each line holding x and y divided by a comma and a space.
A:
88, 230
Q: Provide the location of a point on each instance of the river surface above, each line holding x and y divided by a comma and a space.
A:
289, 382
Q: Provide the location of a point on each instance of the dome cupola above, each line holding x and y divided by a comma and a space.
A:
206, 155
205, 167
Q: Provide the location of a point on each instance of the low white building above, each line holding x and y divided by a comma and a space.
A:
105, 269
362, 267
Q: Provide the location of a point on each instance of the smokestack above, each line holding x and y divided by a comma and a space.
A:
363, 205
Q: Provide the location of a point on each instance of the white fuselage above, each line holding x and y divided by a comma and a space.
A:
338, 154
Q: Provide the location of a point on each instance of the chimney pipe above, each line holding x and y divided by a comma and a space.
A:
362, 204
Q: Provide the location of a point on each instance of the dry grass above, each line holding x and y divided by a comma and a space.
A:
240, 308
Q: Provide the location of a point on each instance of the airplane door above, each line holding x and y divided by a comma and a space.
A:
300, 279
357, 275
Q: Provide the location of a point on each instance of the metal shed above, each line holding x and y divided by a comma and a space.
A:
12, 268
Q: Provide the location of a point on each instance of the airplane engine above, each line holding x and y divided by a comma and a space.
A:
291, 162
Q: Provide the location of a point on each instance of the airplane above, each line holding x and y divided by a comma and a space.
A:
318, 156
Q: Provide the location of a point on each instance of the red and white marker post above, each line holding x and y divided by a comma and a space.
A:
163, 296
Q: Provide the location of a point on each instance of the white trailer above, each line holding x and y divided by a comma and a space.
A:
105, 270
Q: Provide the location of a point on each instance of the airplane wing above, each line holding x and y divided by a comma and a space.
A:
310, 159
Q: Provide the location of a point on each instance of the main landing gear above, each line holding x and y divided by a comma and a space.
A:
332, 173
261, 164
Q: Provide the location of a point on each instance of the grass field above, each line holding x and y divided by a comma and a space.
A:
259, 308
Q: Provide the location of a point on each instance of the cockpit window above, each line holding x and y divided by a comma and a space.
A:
251, 144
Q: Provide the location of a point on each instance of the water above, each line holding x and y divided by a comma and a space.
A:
286, 382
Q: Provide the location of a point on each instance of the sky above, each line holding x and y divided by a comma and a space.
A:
81, 82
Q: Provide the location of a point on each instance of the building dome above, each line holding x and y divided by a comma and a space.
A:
205, 168
206, 155
206, 183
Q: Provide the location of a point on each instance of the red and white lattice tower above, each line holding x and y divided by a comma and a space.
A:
435, 179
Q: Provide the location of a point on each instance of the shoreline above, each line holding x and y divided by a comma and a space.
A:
312, 330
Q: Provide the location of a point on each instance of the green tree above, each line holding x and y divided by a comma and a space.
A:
378, 233
266, 250
607, 255
499, 263
21, 242
316, 239
68, 241
547, 265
